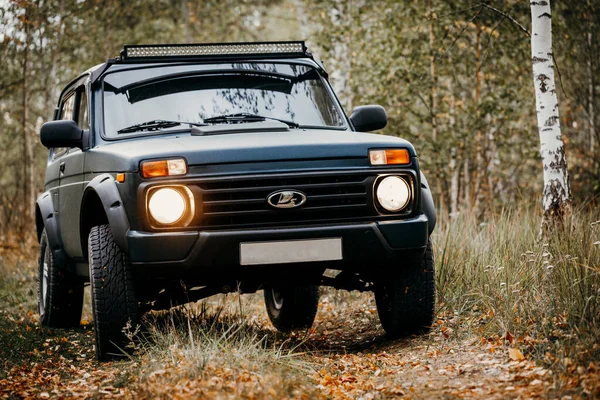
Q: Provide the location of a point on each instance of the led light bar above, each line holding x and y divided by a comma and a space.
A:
140, 52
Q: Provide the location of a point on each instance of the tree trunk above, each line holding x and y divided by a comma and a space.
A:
432, 89
591, 93
454, 168
480, 164
342, 19
466, 182
28, 159
185, 12
556, 198
495, 187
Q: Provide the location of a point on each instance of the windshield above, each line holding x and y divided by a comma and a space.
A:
195, 93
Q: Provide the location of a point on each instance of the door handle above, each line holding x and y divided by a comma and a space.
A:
62, 167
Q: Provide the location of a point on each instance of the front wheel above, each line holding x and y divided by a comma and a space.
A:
406, 300
60, 292
293, 307
114, 302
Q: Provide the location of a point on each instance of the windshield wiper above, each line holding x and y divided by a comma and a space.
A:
156, 124
247, 117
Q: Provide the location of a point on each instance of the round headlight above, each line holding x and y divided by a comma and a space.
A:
166, 206
393, 193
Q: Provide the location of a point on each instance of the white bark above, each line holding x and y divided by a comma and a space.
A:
454, 183
467, 184
557, 194
341, 64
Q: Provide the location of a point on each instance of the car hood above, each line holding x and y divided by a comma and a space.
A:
296, 144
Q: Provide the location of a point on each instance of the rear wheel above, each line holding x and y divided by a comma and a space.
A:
406, 301
293, 307
114, 302
60, 292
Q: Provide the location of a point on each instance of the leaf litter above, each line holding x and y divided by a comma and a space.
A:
344, 356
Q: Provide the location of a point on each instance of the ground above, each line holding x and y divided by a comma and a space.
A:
345, 355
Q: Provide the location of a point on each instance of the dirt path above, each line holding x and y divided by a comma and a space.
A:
345, 355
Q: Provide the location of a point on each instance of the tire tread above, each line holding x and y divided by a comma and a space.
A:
65, 292
406, 301
114, 301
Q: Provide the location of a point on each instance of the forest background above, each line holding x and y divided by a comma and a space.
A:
455, 78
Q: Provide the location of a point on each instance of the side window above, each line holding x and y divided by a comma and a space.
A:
68, 107
82, 114
67, 111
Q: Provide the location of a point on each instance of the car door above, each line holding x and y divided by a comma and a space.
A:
72, 181
65, 111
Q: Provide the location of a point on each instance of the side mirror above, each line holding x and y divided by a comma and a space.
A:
368, 118
63, 133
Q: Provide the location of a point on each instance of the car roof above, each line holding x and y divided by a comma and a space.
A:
98, 71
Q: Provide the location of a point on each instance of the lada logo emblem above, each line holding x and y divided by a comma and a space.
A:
286, 199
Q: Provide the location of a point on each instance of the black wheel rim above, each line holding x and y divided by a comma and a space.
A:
45, 281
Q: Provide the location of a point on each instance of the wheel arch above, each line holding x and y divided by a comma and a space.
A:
102, 204
427, 203
45, 218
39, 222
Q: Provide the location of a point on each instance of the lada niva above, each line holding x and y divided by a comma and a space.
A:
177, 172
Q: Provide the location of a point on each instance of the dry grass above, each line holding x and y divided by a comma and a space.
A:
501, 274
498, 285
215, 350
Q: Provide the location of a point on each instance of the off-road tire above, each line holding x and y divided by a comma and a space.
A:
296, 309
114, 303
63, 291
406, 300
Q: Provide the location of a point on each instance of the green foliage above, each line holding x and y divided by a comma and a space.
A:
66, 37
455, 78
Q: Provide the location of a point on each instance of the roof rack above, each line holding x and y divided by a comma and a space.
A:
180, 52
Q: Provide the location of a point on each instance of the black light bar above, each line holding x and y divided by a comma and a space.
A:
213, 50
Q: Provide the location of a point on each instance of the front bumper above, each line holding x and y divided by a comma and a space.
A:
216, 254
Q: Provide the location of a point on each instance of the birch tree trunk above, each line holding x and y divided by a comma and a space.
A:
454, 168
556, 198
185, 16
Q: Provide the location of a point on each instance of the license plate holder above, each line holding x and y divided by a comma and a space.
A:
291, 251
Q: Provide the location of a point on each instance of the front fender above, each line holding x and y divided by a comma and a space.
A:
105, 187
427, 203
46, 218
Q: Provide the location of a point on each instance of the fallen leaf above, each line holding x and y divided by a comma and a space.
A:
515, 354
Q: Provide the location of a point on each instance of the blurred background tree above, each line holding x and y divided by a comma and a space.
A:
454, 76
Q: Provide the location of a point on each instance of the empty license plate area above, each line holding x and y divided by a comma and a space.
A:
290, 251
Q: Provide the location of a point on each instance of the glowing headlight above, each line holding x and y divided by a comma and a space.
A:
393, 193
168, 205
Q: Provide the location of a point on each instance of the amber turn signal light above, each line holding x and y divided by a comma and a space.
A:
389, 157
154, 169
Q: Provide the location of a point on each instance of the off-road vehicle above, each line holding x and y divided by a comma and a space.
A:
177, 172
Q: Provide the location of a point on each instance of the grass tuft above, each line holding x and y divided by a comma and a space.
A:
501, 276
213, 346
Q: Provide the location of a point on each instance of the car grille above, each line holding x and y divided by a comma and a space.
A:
242, 201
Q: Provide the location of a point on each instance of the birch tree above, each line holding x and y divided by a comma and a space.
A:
556, 197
